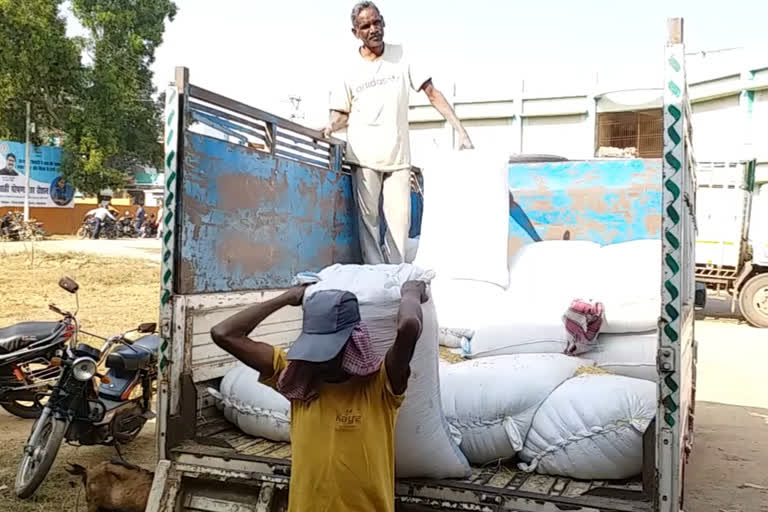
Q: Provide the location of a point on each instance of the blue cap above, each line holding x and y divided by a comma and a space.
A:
330, 316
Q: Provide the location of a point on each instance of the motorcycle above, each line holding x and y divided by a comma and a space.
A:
26, 372
109, 228
148, 229
125, 227
80, 411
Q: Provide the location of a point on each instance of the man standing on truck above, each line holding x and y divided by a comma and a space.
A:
373, 105
344, 401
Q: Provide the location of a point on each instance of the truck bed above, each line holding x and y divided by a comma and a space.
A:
499, 485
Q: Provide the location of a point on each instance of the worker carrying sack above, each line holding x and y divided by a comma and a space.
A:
424, 446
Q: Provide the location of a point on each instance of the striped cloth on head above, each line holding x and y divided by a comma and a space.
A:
298, 381
583, 321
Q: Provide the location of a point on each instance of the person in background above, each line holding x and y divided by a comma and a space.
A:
344, 400
159, 222
150, 227
140, 214
99, 214
372, 104
10, 166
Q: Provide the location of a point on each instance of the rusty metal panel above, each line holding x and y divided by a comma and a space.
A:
604, 201
251, 220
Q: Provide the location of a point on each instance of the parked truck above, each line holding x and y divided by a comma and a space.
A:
732, 242
245, 213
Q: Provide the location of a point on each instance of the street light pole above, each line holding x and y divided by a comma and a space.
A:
27, 167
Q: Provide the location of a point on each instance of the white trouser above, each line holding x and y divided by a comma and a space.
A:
369, 186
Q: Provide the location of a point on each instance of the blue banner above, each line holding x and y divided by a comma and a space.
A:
46, 186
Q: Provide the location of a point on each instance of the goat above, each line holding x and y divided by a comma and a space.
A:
114, 486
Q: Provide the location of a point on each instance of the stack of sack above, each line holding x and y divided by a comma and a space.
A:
520, 395
545, 277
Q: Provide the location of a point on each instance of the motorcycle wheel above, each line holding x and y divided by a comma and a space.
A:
37, 461
22, 410
82, 233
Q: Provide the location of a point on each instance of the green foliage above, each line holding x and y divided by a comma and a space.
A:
38, 63
103, 103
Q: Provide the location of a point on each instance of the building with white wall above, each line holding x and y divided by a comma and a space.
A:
728, 88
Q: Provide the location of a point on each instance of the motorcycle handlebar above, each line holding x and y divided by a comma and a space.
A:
55, 309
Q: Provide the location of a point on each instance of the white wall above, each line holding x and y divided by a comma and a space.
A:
492, 133
425, 137
567, 136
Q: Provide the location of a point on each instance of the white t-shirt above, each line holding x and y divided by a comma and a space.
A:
375, 95
101, 213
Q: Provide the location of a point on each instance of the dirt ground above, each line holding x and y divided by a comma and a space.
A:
145, 248
725, 474
115, 295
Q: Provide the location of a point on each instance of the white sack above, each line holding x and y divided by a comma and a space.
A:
465, 226
630, 355
545, 277
467, 305
252, 407
630, 285
517, 326
492, 401
591, 427
452, 337
424, 446
411, 249
551, 274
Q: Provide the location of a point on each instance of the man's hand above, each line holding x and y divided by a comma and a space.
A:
465, 142
437, 99
409, 326
415, 288
338, 121
295, 296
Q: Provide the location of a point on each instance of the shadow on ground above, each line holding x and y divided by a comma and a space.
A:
727, 470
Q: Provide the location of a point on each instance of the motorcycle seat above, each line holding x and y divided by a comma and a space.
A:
24, 334
138, 356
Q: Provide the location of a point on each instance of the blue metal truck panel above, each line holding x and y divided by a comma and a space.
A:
604, 201
251, 220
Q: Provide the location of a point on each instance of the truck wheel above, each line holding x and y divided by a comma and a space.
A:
753, 300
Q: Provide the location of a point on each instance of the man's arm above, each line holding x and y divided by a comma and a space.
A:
338, 121
438, 101
409, 322
232, 333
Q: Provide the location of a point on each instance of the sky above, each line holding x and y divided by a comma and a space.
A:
262, 52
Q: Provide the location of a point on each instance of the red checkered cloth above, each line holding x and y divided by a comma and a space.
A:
583, 321
299, 379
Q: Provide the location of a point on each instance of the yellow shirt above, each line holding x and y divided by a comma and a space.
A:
343, 445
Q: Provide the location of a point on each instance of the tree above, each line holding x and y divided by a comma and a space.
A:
118, 127
38, 63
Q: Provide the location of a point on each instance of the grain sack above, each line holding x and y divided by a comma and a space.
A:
551, 274
629, 285
491, 401
630, 355
591, 427
252, 407
465, 227
515, 325
424, 446
464, 305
